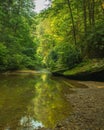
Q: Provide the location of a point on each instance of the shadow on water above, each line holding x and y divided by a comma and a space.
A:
29, 102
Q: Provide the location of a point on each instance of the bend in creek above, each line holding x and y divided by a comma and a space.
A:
32, 101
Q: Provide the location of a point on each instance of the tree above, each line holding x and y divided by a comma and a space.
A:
69, 24
16, 19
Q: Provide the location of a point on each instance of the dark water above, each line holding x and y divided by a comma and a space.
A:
28, 102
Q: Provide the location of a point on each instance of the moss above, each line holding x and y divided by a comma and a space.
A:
88, 66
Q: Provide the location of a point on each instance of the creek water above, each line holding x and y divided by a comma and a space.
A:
29, 102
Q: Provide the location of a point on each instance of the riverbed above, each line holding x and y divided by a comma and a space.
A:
30, 101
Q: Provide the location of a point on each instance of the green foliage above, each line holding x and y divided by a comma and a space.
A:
3, 57
58, 37
28, 62
15, 62
17, 25
65, 56
68, 55
69, 31
95, 42
51, 59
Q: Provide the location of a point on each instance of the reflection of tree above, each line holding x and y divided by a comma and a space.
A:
50, 105
16, 94
30, 102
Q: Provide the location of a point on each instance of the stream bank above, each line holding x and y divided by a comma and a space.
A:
87, 70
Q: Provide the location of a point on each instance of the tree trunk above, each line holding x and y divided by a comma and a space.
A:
89, 11
93, 13
85, 15
73, 24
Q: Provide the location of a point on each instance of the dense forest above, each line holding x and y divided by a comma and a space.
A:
52, 65
17, 46
63, 35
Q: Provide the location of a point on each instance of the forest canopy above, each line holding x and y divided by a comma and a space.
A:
17, 47
70, 32
61, 36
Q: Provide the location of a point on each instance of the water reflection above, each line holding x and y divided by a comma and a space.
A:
50, 102
29, 122
28, 102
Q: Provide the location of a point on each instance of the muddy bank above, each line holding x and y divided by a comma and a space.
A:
95, 76
26, 72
